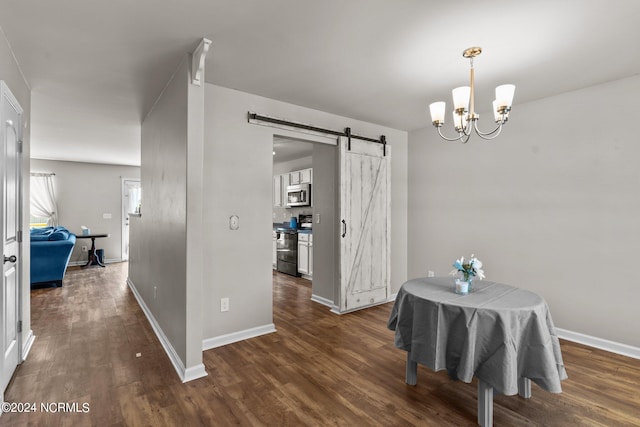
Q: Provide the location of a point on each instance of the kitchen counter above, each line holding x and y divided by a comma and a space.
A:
285, 227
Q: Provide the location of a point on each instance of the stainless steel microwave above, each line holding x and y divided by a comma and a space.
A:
299, 195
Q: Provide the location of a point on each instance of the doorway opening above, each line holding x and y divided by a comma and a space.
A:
304, 214
131, 205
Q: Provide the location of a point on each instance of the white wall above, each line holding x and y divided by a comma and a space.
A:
11, 74
84, 192
238, 176
165, 248
551, 205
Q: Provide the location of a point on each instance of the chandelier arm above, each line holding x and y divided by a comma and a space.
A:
459, 138
489, 135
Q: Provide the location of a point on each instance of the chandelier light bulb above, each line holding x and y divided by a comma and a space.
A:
461, 97
504, 95
437, 110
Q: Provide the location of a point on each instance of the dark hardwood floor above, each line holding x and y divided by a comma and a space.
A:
317, 369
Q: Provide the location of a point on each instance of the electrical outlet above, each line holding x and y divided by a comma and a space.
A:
431, 274
84, 248
224, 304
317, 218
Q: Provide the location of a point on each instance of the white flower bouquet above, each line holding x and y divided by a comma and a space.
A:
470, 269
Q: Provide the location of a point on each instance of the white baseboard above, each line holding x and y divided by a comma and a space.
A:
193, 372
322, 300
219, 341
28, 343
602, 344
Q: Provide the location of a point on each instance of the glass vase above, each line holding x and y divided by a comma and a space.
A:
462, 287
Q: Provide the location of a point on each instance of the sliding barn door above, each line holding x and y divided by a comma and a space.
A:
365, 204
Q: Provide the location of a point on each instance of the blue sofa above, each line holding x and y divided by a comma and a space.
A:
51, 249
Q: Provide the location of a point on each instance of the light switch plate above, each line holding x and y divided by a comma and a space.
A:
234, 222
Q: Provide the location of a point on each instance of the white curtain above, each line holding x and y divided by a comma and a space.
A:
43, 199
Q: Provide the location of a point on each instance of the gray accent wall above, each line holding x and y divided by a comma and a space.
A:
12, 75
551, 206
238, 181
165, 244
84, 192
326, 243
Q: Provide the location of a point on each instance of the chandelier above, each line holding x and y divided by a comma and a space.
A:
465, 119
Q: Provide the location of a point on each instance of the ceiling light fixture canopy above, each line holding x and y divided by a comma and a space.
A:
465, 118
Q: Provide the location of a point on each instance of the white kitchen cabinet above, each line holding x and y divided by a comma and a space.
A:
305, 176
310, 254
305, 254
277, 191
280, 183
303, 258
294, 178
286, 181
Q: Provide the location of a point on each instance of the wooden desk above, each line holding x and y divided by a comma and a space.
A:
93, 259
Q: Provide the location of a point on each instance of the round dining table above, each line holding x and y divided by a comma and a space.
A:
500, 334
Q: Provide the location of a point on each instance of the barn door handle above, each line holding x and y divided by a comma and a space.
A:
12, 258
344, 228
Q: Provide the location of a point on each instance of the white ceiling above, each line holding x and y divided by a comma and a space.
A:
95, 67
287, 149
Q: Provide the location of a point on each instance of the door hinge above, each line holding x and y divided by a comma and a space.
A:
19, 325
19, 236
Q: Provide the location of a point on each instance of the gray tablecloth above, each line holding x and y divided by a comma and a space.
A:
497, 333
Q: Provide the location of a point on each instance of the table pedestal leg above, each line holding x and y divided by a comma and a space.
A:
93, 257
524, 387
411, 376
485, 404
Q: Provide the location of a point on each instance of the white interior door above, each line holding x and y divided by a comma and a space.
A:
11, 121
131, 197
365, 205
